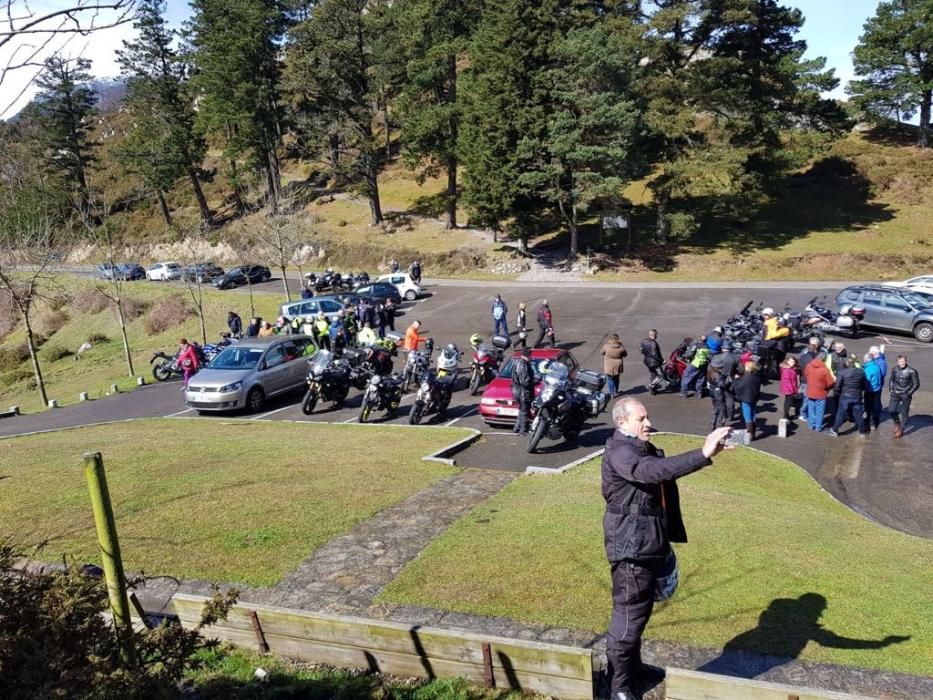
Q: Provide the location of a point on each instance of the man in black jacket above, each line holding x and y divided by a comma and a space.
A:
523, 387
850, 388
235, 324
651, 353
903, 384
642, 518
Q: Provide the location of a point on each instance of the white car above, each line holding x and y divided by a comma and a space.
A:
408, 289
923, 283
162, 271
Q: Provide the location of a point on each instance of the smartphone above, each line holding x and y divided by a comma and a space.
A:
734, 438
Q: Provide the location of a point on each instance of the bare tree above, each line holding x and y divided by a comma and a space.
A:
192, 275
30, 248
29, 36
279, 243
109, 242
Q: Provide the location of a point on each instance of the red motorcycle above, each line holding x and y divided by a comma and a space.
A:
486, 360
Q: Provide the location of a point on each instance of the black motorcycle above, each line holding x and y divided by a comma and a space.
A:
562, 407
328, 379
417, 367
165, 367
743, 326
433, 395
382, 394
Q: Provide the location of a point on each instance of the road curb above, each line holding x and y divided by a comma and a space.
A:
566, 467
443, 454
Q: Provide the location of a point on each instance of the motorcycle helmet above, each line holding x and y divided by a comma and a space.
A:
475, 340
429, 345
767, 311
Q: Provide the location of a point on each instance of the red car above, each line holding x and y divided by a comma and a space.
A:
497, 407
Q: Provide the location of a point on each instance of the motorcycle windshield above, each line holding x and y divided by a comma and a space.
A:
320, 362
556, 375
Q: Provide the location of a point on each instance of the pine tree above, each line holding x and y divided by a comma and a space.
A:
894, 58
235, 47
162, 147
435, 35
329, 77
64, 108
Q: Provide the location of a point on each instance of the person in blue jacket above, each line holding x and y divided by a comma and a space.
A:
876, 370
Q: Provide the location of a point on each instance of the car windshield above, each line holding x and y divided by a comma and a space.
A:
236, 358
915, 300
506, 372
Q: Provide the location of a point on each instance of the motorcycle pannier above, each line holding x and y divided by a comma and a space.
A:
590, 380
501, 341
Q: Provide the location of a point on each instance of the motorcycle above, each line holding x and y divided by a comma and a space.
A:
433, 395
165, 367
359, 370
486, 362
328, 379
821, 321
743, 326
670, 373
417, 367
562, 407
382, 394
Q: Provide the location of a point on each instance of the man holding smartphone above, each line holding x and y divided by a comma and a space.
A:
642, 518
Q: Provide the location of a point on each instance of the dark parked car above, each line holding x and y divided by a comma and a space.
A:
379, 291
202, 272
121, 271
244, 274
891, 308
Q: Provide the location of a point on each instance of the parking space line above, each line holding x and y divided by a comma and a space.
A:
269, 413
468, 413
180, 413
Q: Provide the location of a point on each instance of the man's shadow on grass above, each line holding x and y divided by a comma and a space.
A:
784, 629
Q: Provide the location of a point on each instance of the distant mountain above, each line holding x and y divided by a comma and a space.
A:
110, 93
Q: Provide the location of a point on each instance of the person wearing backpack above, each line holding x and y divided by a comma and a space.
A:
697, 356
523, 387
499, 316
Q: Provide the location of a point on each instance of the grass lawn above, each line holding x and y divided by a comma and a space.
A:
104, 364
762, 534
228, 673
234, 501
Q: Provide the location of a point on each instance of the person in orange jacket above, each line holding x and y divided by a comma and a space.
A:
412, 337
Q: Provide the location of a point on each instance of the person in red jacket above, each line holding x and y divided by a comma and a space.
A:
819, 382
790, 385
187, 360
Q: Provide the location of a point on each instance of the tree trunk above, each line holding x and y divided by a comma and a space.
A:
237, 192
451, 193
662, 229
252, 307
163, 205
288, 294
923, 137
206, 215
126, 342
372, 189
574, 232
334, 140
33, 355
386, 126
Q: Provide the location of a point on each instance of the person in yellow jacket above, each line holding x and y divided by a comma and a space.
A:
322, 330
772, 349
773, 329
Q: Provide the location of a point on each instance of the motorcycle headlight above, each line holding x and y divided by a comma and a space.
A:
547, 394
425, 386
236, 386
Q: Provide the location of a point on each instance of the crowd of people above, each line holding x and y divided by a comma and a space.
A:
823, 386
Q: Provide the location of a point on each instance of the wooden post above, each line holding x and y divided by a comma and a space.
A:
257, 630
488, 676
140, 381
110, 553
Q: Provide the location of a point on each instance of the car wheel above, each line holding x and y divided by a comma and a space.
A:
924, 332
266, 277
410, 295
255, 399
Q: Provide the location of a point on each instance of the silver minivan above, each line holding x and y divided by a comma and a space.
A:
308, 308
247, 373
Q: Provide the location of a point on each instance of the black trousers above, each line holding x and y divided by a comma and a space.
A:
524, 404
899, 408
632, 603
542, 331
872, 408
720, 415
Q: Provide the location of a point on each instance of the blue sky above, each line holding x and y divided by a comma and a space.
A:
831, 30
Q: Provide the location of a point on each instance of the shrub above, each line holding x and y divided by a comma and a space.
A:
168, 313
7, 317
50, 322
134, 308
97, 338
89, 301
15, 376
11, 357
56, 353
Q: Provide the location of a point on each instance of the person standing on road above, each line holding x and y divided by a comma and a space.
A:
642, 518
850, 388
389, 309
654, 361
819, 381
613, 351
806, 357
413, 337
876, 367
187, 360
697, 357
545, 325
747, 392
393, 265
523, 387
235, 324
414, 271
322, 331
790, 385
500, 316
905, 381
522, 319
722, 368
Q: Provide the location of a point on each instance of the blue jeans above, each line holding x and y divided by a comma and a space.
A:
815, 413
805, 403
500, 323
692, 379
611, 384
748, 412
845, 403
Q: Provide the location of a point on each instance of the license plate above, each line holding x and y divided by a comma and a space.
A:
506, 411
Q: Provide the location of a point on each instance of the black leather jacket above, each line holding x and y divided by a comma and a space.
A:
904, 382
642, 501
851, 383
651, 351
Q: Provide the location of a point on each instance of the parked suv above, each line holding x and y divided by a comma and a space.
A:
891, 308
247, 373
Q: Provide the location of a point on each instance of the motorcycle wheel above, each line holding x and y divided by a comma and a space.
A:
417, 411
365, 410
474, 382
572, 436
310, 401
539, 432
161, 373
407, 377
